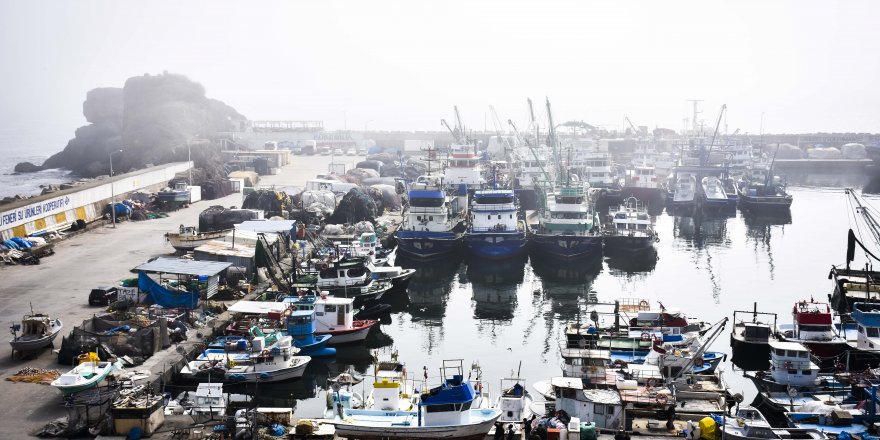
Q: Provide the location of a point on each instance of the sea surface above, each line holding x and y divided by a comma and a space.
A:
510, 316
30, 144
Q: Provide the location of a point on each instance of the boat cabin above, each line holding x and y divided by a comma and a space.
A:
343, 273
812, 321
209, 399
867, 318
301, 326
331, 312
600, 406
643, 176
790, 364
592, 366
631, 217
494, 211
756, 332
449, 403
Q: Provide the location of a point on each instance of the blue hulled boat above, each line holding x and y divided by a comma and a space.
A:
568, 229
301, 326
434, 222
495, 231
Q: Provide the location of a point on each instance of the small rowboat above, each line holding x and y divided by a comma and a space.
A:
88, 374
37, 331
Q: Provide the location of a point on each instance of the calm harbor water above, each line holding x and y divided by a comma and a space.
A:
501, 314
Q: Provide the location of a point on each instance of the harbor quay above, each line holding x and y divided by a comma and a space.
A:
59, 286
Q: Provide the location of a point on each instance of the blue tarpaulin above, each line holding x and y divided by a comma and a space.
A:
165, 297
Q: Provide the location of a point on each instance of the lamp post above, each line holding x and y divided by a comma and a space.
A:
112, 192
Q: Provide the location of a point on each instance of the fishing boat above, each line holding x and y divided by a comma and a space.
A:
207, 403
630, 230
761, 191
813, 327
790, 368
443, 412
177, 195
274, 363
714, 195
684, 191
514, 403
37, 331
88, 373
334, 317
350, 278
463, 169
301, 326
600, 406
641, 182
865, 349
396, 275
495, 231
189, 237
434, 223
750, 338
567, 228
593, 366
749, 424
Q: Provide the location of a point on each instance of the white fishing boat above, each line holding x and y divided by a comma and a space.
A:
189, 238
750, 424
684, 191
714, 195
333, 316
270, 364
207, 403
37, 331
443, 412
514, 402
87, 374
600, 406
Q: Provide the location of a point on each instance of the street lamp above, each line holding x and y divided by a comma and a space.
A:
112, 192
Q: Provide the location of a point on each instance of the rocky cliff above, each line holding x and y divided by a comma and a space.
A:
153, 119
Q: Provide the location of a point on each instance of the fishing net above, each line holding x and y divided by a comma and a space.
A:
34, 375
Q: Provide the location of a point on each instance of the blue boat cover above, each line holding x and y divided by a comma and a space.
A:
165, 297
425, 194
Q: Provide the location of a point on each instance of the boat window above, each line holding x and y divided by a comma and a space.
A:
356, 272
792, 371
419, 218
466, 406
431, 218
861, 330
598, 408
328, 274
568, 393
873, 332
439, 408
426, 202
511, 216
499, 216
330, 308
489, 217
805, 372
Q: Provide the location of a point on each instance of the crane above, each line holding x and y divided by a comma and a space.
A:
498, 129
631, 126
717, 125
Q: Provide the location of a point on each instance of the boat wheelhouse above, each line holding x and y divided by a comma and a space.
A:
463, 168
568, 227
593, 366
301, 326
444, 411
791, 366
750, 339
495, 231
434, 223
334, 316
813, 326
631, 229
600, 406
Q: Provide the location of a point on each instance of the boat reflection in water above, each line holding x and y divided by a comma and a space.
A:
759, 231
430, 286
495, 285
566, 286
628, 265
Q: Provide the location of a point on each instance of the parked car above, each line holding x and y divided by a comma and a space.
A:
337, 152
103, 296
361, 151
351, 152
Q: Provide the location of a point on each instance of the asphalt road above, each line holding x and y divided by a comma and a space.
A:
60, 285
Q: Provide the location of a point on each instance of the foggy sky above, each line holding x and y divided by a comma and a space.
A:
808, 66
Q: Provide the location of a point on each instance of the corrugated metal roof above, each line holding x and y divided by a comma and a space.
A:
276, 226
183, 266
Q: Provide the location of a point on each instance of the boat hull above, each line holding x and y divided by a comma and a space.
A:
340, 337
428, 245
82, 386
765, 204
23, 345
188, 242
268, 376
567, 247
368, 424
317, 348
496, 245
748, 355
628, 244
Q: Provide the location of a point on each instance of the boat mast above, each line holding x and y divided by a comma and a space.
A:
715, 134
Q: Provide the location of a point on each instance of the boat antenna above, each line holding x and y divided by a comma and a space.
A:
717, 124
769, 177
32, 307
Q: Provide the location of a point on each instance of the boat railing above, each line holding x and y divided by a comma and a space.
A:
493, 207
427, 209
790, 364
495, 228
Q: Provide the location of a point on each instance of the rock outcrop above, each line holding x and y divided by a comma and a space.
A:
153, 119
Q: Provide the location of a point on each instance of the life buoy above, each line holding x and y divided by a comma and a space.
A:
287, 313
661, 398
787, 365
646, 336
644, 304
651, 382
324, 266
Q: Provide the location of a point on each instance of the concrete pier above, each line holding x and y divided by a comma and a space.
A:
60, 285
